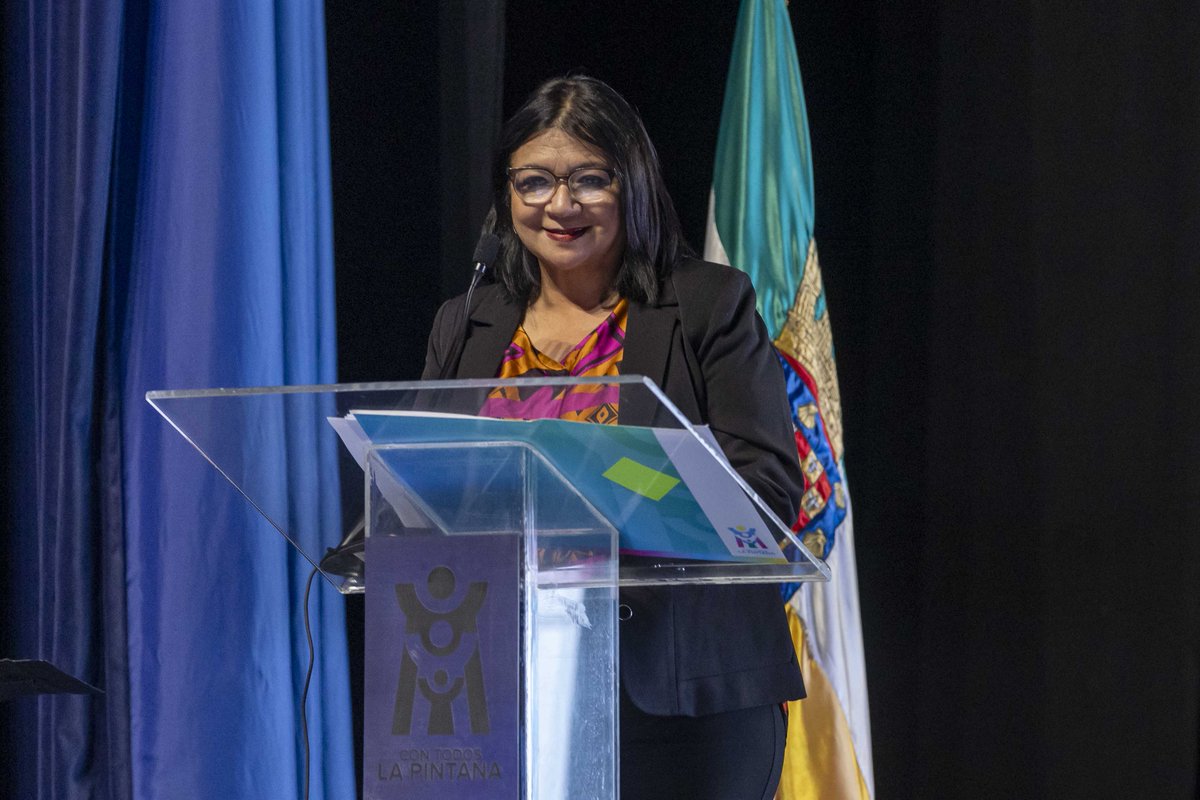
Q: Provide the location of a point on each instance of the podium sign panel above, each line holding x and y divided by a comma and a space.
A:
442, 695
491, 647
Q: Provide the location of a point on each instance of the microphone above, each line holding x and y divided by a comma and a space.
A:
486, 250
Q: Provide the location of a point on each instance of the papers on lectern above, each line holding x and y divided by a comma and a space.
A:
662, 489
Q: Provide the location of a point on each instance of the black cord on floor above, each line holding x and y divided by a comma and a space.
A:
307, 679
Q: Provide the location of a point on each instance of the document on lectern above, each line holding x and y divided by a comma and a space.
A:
660, 488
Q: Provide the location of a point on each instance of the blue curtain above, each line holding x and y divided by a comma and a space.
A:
168, 206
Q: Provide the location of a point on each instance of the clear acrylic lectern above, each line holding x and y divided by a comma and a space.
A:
491, 536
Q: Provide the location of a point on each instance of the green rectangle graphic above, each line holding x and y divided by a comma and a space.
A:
641, 479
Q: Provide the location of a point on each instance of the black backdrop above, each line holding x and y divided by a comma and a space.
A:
1008, 210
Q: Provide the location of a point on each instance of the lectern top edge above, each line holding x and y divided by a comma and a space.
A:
382, 386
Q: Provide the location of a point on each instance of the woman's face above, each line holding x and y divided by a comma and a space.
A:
564, 235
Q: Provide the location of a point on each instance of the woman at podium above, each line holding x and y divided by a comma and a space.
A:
594, 278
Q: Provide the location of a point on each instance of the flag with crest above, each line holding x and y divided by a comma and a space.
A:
760, 219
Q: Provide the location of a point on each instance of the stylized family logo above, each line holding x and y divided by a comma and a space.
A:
747, 539
441, 654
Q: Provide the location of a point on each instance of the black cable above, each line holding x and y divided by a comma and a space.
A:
307, 678
351, 543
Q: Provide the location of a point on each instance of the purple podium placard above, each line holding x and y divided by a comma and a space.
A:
442, 692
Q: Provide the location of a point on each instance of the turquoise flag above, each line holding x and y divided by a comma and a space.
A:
762, 206
761, 220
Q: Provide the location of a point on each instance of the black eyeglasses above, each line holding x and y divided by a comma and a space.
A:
585, 185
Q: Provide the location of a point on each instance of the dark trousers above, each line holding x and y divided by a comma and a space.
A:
736, 755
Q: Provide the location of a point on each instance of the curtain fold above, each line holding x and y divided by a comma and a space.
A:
168, 227
60, 99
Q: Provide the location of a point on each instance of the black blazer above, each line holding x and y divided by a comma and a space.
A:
701, 649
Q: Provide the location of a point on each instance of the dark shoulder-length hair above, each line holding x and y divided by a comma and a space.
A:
593, 112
